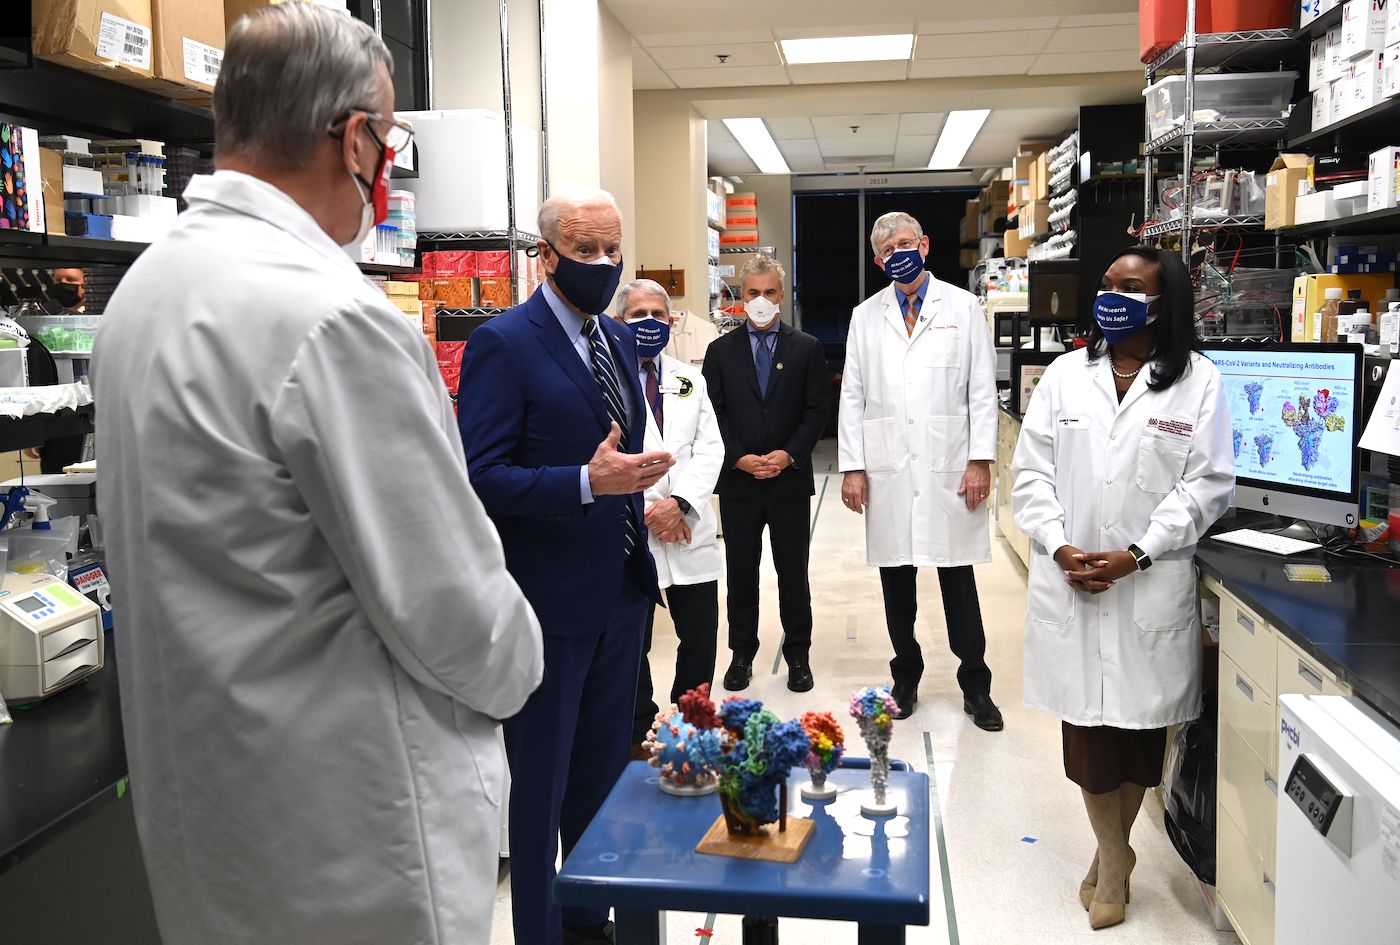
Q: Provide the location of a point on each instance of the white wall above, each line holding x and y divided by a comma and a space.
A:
669, 158
774, 193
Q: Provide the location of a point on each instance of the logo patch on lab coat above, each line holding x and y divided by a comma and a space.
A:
1171, 427
687, 386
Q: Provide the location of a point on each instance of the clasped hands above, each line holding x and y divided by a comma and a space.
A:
764, 467
1093, 572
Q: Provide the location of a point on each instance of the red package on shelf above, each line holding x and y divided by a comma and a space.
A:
449, 359
493, 263
448, 263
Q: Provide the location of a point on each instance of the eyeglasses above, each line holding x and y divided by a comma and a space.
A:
400, 133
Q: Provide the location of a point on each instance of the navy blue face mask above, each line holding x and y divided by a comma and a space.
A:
652, 334
588, 287
1121, 315
904, 266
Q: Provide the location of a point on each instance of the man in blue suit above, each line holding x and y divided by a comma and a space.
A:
553, 417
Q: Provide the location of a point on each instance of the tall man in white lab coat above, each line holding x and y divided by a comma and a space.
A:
680, 517
917, 435
313, 646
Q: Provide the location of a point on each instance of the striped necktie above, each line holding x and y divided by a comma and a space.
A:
611, 390
911, 312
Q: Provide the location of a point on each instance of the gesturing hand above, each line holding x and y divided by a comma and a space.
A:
611, 472
854, 488
1078, 574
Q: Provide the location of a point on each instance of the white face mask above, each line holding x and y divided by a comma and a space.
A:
761, 312
366, 221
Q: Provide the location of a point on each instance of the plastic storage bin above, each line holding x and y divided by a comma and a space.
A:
1162, 22
1237, 16
1243, 95
63, 333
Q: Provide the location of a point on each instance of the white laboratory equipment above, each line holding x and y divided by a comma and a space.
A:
50, 637
1338, 876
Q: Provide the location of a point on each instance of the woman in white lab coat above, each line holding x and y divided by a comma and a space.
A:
1124, 462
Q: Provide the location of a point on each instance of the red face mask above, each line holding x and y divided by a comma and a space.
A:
379, 194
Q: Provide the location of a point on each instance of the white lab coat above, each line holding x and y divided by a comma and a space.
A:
914, 412
690, 338
1156, 470
693, 438
315, 623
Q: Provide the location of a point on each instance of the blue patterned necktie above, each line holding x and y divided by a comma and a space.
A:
763, 363
611, 390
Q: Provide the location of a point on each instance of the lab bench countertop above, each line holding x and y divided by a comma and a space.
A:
1350, 625
60, 762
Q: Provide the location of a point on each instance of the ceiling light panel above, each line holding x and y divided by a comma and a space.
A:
753, 135
848, 48
958, 133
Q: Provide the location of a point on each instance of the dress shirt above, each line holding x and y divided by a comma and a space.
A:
573, 328
921, 292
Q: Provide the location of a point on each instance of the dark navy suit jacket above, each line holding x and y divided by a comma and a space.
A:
530, 415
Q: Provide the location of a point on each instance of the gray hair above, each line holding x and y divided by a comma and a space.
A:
891, 224
645, 287
762, 265
290, 71
571, 199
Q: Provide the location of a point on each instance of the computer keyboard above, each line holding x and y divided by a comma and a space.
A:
1263, 541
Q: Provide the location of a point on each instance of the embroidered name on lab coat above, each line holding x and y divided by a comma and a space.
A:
1071, 423
1166, 426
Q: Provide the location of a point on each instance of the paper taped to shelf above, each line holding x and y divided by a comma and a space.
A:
16, 402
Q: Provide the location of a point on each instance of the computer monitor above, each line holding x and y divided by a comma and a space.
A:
1295, 416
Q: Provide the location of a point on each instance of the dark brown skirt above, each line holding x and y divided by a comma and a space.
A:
1102, 758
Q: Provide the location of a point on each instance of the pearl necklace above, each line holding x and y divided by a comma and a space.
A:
1117, 373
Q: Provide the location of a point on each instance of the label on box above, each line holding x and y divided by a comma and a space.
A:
202, 62
1317, 63
123, 41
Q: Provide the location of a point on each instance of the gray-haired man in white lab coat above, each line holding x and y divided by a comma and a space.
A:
313, 639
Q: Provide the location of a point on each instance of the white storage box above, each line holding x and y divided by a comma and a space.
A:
1336, 65
1315, 208
1381, 179
81, 181
1392, 24
461, 183
1363, 28
1244, 95
1365, 81
1390, 69
1322, 106
1317, 63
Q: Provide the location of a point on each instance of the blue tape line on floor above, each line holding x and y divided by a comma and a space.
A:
941, 842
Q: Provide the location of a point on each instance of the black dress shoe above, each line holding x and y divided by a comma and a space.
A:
985, 714
800, 677
905, 698
589, 934
737, 676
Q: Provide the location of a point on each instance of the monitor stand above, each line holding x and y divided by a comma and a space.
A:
1266, 522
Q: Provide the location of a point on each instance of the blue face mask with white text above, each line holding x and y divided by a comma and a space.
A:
1121, 315
904, 266
652, 335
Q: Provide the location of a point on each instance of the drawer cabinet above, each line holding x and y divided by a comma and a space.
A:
1245, 889
1248, 708
1248, 792
1249, 641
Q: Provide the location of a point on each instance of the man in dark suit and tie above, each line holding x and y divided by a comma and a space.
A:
553, 418
771, 388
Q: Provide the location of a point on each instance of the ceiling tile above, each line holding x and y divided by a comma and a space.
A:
799, 149
785, 128
920, 123
1095, 39
963, 45
914, 150
653, 40
861, 29
860, 166
982, 65
1102, 19
816, 74
725, 149
987, 26
808, 165
641, 61
728, 78
839, 126
857, 146
645, 80
705, 57
1123, 60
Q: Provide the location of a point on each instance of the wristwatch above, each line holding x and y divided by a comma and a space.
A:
684, 505
1141, 557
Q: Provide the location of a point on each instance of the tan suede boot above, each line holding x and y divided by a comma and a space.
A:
1129, 803
1107, 907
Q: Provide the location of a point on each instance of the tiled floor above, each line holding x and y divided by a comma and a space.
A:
996, 791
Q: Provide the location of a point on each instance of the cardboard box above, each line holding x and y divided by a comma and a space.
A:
1016, 248
1390, 69
1322, 107
741, 201
1041, 190
1315, 208
189, 43
1281, 189
1363, 28
1366, 81
452, 291
51, 169
994, 196
494, 292
1308, 296
733, 239
113, 37
1382, 180
1317, 63
971, 227
968, 258
1035, 219
741, 219
1336, 65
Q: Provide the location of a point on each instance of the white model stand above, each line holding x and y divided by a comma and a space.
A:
815, 792
689, 790
871, 809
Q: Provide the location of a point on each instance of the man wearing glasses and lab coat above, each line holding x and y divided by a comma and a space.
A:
313, 646
918, 426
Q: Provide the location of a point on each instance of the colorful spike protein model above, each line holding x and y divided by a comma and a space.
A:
1253, 390
874, 710
1237, 437
1309, 428
828, 744
765, 749
688, 744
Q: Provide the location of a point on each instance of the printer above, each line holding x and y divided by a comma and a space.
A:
50, 637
